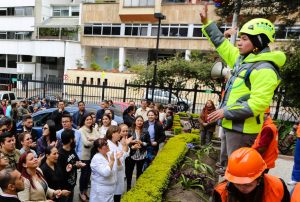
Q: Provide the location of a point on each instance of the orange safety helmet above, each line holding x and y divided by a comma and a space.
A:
244, 166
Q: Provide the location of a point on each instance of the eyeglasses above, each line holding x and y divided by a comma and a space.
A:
45, 128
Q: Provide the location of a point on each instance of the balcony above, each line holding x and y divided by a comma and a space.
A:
139, 10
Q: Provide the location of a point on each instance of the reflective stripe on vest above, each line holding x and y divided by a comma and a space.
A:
271, 153
273, 189
296, 193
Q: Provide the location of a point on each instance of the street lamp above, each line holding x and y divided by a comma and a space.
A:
160, 17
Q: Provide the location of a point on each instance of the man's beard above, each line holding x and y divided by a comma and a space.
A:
28, 128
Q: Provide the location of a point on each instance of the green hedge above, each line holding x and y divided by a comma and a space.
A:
154, 181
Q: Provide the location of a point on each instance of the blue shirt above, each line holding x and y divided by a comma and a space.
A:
8, 110
77, 139
151, 131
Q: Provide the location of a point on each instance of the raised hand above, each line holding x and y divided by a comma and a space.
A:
69, 167
203, 14
119, 155
228, 33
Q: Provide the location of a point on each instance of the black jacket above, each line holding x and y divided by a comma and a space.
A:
145, 138
128, 120
56, 117
77, 118
159, 133
8, 199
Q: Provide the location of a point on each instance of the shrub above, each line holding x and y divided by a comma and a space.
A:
195, 116
177, 130
95, 66
182, 114
154, 181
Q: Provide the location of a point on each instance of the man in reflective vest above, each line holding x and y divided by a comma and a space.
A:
246, 180
266, 142
254, 78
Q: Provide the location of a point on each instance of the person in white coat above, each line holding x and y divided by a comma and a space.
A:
113, 137
104, 175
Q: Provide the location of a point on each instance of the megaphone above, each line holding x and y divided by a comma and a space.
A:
219, 70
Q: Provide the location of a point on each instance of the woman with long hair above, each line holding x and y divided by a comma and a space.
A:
103, 179
113, 137
112, 115
48, 138
3, 161
105, 123
52, 172
128, 116
25, 140
138, 149
36, 187
207, 128
88, 136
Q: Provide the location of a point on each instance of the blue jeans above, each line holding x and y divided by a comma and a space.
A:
296, 168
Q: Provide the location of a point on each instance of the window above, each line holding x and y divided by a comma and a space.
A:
12, 61
5, 97
170, 30
293, 33
197, 32
19, 11
3, 35
28, 11
12, 96
2, 60
102, 29
136, 29
26, 58
75, 11
3, 11
61, 11
139, 3
88, 29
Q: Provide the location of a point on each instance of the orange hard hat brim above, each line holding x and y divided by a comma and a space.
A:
240, 180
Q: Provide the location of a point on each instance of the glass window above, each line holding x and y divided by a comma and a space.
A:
97, 29
144, 31
174, 31
88, 29
2, 60
19, 11
197, 32
115, 30
128, 30
10, 35
64, 13
60, 11
293, 33
106, 30
12, 61
3, 11
154, 31
5, 96
183, 32
56, 13
135, 31
26, 58
164, 31
11, 11
2, 35
28, 11
75, 11
12, 96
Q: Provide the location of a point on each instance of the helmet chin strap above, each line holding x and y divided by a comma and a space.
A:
260, 40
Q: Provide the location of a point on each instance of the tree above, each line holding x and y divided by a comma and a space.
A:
177, 71
285, 11
291, 80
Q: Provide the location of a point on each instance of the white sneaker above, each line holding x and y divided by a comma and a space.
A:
292, 182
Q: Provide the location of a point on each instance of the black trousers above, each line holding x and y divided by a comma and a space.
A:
129, 167
85, 176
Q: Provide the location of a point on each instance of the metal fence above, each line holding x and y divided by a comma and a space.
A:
195, 95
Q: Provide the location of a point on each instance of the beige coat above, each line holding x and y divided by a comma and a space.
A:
30, 194
86, 144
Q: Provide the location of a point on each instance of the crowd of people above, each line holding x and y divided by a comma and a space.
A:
105, 153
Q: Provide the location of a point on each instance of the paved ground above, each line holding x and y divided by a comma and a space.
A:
283, 168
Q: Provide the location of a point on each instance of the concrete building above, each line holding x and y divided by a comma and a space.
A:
118, 33
38, 38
